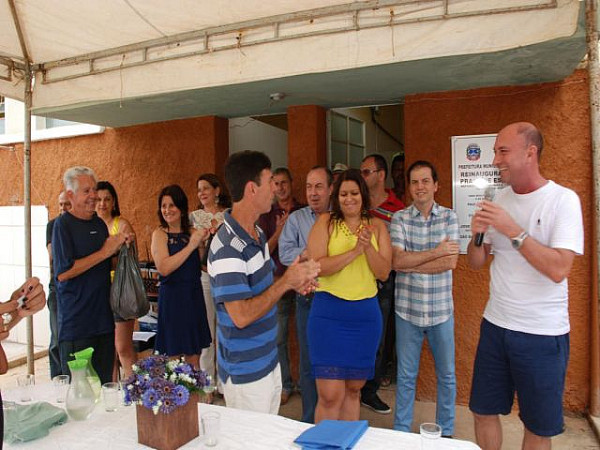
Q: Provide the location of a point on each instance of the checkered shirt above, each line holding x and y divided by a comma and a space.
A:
423, 299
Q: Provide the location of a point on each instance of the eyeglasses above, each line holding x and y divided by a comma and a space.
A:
367, 172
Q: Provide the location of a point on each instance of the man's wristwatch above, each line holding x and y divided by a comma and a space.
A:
517, 242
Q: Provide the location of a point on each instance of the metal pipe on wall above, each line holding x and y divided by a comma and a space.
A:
591, 11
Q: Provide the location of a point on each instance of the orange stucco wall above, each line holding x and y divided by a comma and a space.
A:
561, 111
139, 161
307, 143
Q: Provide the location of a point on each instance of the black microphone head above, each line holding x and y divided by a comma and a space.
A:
489, 193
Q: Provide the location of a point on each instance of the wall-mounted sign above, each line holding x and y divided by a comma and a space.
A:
472, 173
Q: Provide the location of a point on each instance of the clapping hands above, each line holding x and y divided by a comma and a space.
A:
365, 232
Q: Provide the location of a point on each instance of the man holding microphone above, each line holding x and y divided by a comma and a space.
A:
534, 227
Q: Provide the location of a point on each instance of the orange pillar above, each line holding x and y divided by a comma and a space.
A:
217, 151
307, 142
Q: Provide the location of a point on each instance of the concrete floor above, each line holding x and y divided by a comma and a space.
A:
578, 435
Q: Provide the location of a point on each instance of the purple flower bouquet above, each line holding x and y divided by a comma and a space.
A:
163, 385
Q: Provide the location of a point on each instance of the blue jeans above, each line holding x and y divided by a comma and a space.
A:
284, 306
53, 350
308, 385
409, 342
385, 295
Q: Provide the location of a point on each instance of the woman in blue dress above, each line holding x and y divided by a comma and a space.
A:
176, 247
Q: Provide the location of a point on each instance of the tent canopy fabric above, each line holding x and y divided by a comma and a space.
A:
125, 62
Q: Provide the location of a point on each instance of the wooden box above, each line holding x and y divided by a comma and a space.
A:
168, 431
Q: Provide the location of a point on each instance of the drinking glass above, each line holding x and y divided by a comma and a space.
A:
111, 396
61, 385
430, 433
25, 384
210, 428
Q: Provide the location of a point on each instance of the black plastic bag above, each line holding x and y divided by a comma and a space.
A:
127, 293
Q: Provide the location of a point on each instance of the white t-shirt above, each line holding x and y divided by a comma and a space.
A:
522, 298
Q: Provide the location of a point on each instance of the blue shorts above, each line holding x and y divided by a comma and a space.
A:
532, 365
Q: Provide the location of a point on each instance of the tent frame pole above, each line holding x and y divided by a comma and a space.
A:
27, 206
591, 12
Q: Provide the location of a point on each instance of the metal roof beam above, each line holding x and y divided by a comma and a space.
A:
168, 48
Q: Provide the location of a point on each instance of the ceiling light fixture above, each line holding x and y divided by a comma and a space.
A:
277, 96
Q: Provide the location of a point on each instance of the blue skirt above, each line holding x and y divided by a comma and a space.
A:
343, 337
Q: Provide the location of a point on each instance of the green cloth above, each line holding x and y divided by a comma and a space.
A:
28, 422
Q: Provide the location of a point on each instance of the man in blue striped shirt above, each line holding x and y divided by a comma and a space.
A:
244, 292
425, 251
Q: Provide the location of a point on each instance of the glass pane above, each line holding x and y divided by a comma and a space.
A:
338, 153
53, 123
356, 156
356, 132
338, 128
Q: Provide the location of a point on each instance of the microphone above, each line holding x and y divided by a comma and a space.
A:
487, 195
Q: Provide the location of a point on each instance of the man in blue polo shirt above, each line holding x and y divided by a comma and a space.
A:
81, 251
245, 295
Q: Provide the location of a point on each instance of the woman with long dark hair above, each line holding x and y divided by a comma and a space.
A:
109, 211
344, 326
176, 248
214, 201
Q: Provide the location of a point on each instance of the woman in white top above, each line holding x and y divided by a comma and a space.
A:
214, 201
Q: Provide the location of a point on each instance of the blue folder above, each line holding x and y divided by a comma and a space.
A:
332, 435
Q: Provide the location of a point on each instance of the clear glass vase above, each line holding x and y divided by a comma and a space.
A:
81, 399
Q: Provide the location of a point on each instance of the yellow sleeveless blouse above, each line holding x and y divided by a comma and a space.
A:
115, 226
356, 281
114, 230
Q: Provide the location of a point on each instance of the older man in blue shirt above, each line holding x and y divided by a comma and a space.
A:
292, 242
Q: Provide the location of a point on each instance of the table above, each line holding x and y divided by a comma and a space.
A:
240, 430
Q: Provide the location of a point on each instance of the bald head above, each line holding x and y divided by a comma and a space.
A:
530, 133
64, 204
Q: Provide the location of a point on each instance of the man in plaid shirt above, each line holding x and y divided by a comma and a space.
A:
425, 251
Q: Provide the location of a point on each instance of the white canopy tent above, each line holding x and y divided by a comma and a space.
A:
122, 62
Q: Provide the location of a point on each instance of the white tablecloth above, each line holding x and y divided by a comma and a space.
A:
241, 430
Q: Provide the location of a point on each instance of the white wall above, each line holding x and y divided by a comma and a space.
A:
12, 263
246, 133
14, 116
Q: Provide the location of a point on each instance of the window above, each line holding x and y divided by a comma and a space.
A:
54, 123
347, 140
11, 125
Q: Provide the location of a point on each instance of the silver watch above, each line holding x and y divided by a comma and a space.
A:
517, 242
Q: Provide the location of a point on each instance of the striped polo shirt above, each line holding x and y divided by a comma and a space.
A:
241, 268
423, 299
386, 210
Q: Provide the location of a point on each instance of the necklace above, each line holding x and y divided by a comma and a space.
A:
349, 230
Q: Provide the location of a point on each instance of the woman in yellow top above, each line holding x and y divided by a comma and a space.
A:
344, 327
108, 210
